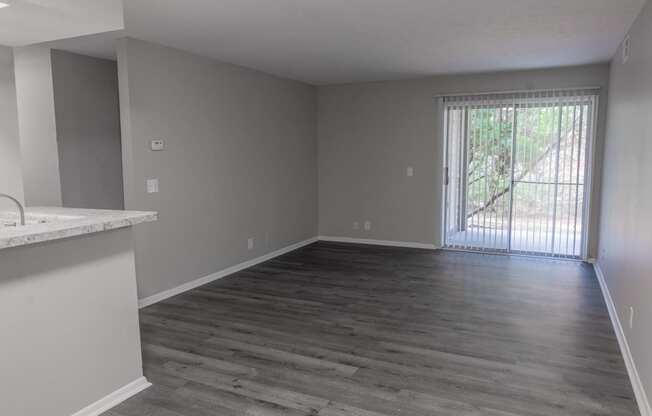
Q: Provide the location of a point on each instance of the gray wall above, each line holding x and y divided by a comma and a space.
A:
370, 133
69, 323
37, 126
240, 162
88, 131
11, 178
626, 225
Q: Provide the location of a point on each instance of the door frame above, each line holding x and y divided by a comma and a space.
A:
589, 168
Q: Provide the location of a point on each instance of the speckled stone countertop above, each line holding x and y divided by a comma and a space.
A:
53, 223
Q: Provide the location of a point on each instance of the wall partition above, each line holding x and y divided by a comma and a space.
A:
518, 171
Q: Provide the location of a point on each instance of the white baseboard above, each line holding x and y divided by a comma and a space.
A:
115, 398
637, 385
150, 300
377, 242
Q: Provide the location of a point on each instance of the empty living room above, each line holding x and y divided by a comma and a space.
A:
325, 208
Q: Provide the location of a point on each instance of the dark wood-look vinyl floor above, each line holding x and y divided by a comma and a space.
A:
340, 329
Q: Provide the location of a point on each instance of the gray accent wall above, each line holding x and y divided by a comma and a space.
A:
626, 224
88, 130
370, 133
69, 324
37, 126
11, 177
240, 162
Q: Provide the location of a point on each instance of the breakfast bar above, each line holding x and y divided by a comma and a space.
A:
68, 311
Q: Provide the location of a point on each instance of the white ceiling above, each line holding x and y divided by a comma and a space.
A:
340, 41
27, 22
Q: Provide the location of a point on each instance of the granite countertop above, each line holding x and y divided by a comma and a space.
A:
53, 223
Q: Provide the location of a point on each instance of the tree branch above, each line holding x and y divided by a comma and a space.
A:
495, 197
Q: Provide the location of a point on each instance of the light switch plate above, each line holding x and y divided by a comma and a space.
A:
152, 186
410, 171
157, 144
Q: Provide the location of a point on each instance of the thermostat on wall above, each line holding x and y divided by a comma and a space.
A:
157, 144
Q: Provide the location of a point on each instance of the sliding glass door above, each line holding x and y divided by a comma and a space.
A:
517, 170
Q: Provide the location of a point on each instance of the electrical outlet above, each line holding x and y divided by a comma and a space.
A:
250, 243
631, 317
367, 225
409, 171
356, 225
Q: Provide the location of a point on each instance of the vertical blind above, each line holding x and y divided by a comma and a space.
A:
518, 170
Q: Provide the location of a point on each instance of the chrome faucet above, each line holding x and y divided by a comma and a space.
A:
21, 210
